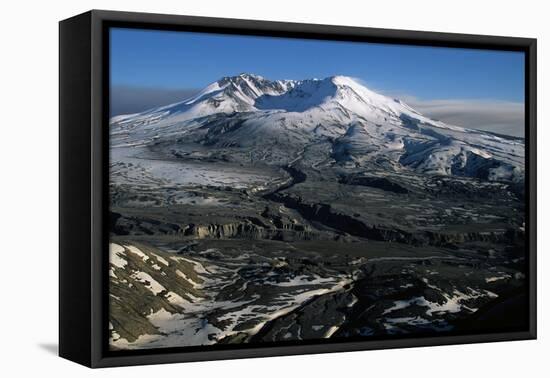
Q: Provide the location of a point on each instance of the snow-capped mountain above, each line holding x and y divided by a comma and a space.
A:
276, 120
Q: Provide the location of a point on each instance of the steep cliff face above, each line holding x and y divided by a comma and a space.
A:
252, 228
249, 230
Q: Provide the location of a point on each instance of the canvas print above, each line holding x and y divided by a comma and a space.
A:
272, 191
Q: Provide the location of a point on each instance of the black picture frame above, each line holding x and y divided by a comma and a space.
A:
83, 180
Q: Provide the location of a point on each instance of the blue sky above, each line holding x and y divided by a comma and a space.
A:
479, 89
182, 60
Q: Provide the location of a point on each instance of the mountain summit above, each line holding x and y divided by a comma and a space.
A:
248, 92
275, 120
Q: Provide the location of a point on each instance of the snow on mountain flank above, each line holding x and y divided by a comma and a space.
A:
280, 117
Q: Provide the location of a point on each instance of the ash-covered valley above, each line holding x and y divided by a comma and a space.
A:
261, 211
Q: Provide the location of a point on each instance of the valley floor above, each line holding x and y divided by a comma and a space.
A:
260, 254
266, 211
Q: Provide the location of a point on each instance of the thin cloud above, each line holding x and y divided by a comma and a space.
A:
129, 99
502, 117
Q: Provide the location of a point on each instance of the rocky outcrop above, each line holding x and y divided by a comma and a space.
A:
273, 227
139, 225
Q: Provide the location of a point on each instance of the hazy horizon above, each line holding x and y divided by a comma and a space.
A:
498, 116
480, 89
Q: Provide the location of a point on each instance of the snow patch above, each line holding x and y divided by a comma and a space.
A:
115, 255
148, 281
138, 252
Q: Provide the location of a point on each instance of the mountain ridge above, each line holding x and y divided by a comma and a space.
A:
248, 111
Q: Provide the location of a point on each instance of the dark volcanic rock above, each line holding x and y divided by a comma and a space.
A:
375, 182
